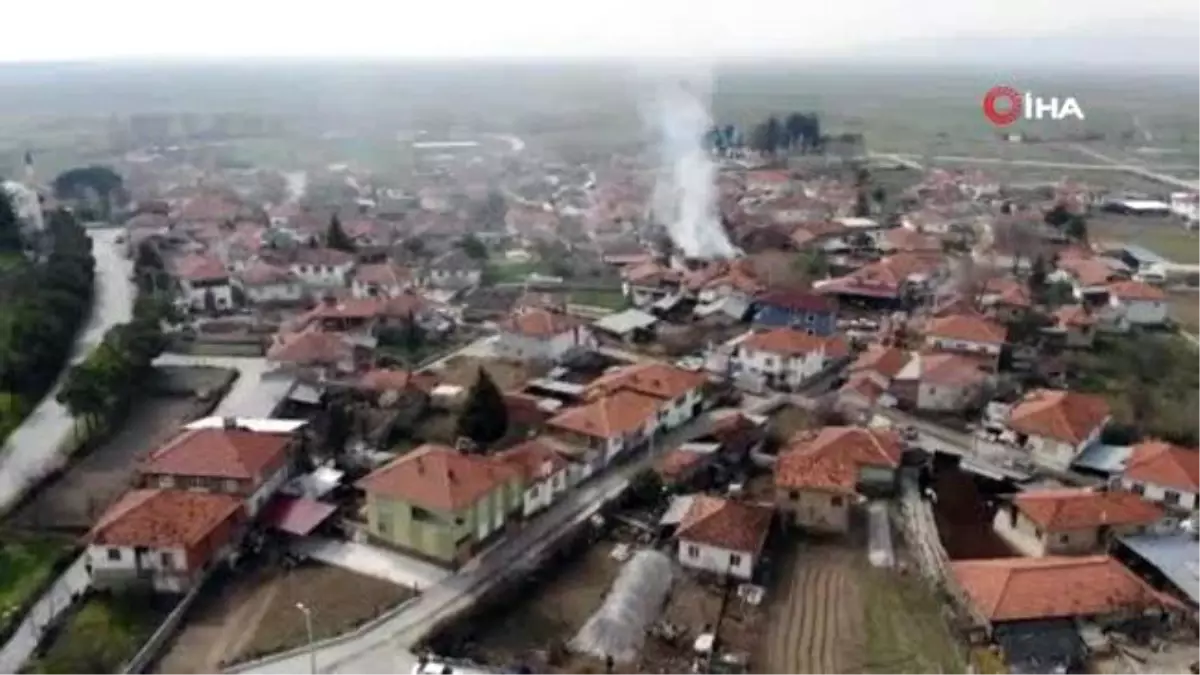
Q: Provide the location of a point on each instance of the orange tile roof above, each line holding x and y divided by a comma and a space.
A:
1076, 316
675, 462
199, 268
788, 342
831, 457
727, 524
1136, 290
311, 347
535, 459
219, 453
967, 327
383, 274
1008, 292
1059, 414
1075, 508
1021, 589
950, 369
887, 361
1087, 271
610, 416
260, 273
651, 379
904, 239
163, 518
438, 477
395, 379
540, 323
1165, 464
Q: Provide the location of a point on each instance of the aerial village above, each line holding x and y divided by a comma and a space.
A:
912, 423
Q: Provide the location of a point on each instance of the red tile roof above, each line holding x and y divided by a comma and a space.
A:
383, 274
219, 453
1076, 508
727, 524
887, 361
677, 461
610, 416
1136, 291
395, 379
796, 300
1073, 316
1059, 414
1166, 464
1022, 589
651, 379
311, 348
534, 459
793, 342
540, 323
830, 458
163, 518
950, 369
262, 274
439, 478
199, 268
968, 328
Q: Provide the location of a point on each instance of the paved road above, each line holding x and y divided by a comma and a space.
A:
386, 647
1134, 169
32, 450
57, 599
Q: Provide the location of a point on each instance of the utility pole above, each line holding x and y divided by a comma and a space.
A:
312, 648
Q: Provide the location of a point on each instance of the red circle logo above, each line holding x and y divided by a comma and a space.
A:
1011, 112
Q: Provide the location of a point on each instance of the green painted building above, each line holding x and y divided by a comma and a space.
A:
441, 504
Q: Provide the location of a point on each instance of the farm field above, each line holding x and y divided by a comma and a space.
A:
1164, 236
832, 613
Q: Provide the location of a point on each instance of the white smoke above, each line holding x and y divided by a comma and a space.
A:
685, 194
26, 204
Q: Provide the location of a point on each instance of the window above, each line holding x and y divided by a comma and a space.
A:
114, 554
231, 486
166, 482
533, 491
1171, 497
383, 527
693, 551
793, 495
1138, 489
1064, 538
734, 560
836, 501
166, 559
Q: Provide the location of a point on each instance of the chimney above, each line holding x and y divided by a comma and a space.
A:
229, 422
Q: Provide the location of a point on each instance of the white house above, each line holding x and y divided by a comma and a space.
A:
540, 334
263, 282
545, 471
454, 269
203, 282
785, 358
1138, 303
163, 538
1055, 425
679, 392
322, 267
939, 382
1165, 473
723, 537
1073, 521
608, 426
382, 279
967, 334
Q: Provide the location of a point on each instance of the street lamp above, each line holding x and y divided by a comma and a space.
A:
308, 624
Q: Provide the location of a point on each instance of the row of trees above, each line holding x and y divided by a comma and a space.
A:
798, 132
44, 306
103, 384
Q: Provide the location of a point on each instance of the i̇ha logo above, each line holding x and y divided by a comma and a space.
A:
1004, 105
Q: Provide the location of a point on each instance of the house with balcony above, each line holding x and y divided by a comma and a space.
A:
165, 539
679, 392
971, 335
231, 460
1055, 425
440, 504
786, 358
1165, 473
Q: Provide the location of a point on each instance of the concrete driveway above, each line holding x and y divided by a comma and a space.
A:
372, 561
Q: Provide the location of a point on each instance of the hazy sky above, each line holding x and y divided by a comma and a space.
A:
85, 29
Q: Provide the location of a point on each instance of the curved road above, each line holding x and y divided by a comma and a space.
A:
32, 450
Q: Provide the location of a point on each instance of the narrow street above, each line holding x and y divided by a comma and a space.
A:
386, 646
32, 450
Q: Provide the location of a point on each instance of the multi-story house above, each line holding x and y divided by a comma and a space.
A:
1073, 521
803, 311
786, 358
1056, 425
1165, 473
441, 504
540, 334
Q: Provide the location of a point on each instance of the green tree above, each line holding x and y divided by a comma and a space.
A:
473, 247
879, 194
484, 418
1076, 228
10, 225
1038, 271
336, 237
415, 246
1058, 216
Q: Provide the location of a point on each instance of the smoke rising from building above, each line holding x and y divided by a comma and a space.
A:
685, 192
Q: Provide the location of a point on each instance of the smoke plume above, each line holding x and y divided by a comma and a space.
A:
685, 193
